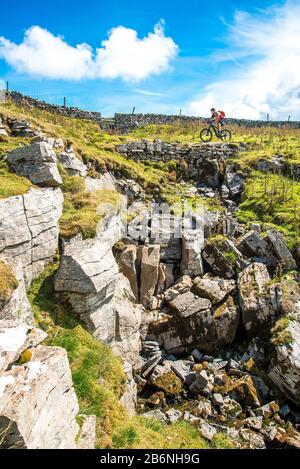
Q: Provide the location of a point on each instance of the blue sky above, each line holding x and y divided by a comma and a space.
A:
159, 56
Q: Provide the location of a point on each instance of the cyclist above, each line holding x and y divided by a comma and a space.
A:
218, 118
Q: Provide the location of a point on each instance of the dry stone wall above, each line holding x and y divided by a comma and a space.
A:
127, 122
23, 100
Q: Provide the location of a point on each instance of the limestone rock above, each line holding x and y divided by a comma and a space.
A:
89, 280
165, 379
280, 248
15, 338
150, 258
38, 405
285, 367
213, 288
222, 256
17, 306
192, 245
87, 433
105, 181
255, 300
129, 397
73, 165
245, 392
188, 304
37, 162
252, 245
127, 262
29, 228
226, 319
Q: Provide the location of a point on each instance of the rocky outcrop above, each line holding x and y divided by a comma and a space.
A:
3, 131
192, 246
29, 228
16, 303
280, 248
38, 405
89, 280
150, 256
285, 367
222, 256
36, 162
191, 321
72, 164
254, 246
213, 288
258, 309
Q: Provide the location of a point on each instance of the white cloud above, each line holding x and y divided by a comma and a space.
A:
121, 55
269, 42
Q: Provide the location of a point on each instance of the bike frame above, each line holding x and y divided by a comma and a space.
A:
214, 129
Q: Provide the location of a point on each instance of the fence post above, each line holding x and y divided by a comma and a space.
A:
180, 110
289, 118
268, 117
7, 86
65, 102
133, 110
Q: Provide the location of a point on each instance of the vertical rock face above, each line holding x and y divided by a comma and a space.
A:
280, 248
38, 405
29, 228
128, 266
37, 162
285, 367
149, 258
89, 279
73, 165
192, 246
17, 302
255, 298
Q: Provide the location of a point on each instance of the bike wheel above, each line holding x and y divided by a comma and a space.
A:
206, 135
225, 135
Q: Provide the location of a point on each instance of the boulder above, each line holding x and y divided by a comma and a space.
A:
222, 256
252, 245
226, 318
281, 251
38, 404
244, 391
284, 370
127, 262
29, 228
214, 289
36, 162
3, 131
165, 379
192, 245
105, 181
89, 280
183, 285
14, 305
188, 304
233, 181
255, 299
149, 260
166, 231
72, 164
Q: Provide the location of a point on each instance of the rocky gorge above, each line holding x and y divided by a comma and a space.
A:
202, 309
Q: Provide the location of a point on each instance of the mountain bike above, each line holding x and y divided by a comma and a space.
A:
206, 134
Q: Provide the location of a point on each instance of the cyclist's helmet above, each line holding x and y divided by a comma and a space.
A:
212, 109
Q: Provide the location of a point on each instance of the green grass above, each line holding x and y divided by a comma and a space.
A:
82, 209
274, 201
280, 332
